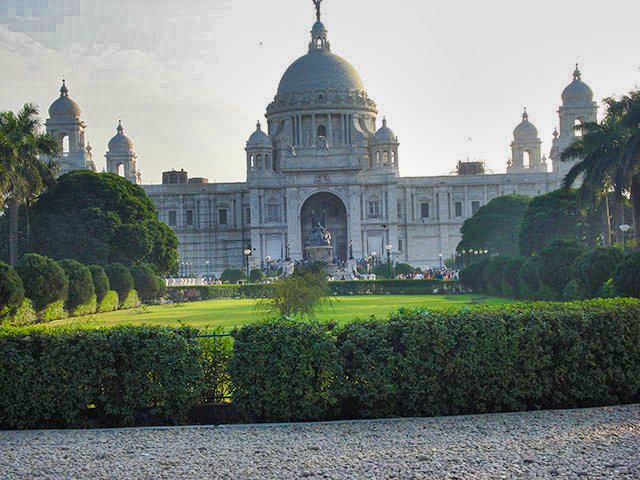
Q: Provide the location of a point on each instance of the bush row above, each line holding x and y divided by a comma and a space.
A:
67, 288
441, 362
562, 271
417, 362
339, 288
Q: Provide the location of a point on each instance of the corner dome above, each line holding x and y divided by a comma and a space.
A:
258, 138
384, 134
577, 91
320, 70
525, 130
120, 142
64, 106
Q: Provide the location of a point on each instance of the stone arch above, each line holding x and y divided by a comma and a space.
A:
333, 208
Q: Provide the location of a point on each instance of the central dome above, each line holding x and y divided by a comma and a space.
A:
319, 70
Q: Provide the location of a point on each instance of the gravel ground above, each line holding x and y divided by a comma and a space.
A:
581, 444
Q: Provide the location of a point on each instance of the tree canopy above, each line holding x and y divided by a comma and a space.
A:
101, 218
495, 226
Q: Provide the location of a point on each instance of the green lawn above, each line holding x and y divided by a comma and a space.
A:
232, 313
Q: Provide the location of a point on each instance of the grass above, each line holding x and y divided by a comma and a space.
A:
228, 314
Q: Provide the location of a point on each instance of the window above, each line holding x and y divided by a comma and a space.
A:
424, 210
385, 158
374, 209
322, 131
222, 216
273, 213
172, 218
189, 218
400, 245
475, 205
258, 162
399, 211
248, 216
458, 209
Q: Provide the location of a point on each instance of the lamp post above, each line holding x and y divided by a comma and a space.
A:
624, 228
388, 249
207, 262
440, 258
247, 254
288, 257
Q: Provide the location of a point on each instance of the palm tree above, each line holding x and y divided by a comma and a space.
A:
23, 175
600, 153
631, 158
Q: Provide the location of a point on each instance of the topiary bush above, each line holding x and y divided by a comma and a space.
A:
120, 280
529, 281
148, 285
555, 267
256, 275
232, 275
120, 371
511, 277
80, 280
627, 277
11, 291
284, 370
88, 308
594, 268
109, 303
131, 301
492, 275
44, 281
100, 281
24, 315
53, 311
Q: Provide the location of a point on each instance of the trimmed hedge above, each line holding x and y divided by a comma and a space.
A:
132, 301
442, 362
109, 303
11, 291
80, 280
53, 311
25, 315
100, 281
120, 279
88, 308
49, 378
44, 280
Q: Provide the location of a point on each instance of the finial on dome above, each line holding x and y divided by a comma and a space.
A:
384, 121
258, 126
120, 128
64, 91
317, 3
576, 73
555, 133
525, 115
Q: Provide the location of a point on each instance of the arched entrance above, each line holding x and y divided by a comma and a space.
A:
328, 208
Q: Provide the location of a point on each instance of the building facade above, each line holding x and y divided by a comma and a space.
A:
324, 154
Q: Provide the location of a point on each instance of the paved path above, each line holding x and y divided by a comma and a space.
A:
577, 444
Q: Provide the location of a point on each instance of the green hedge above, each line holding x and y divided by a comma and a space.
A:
88, 308
442, 362
54, 378
132, 301
109, 303
339, 288
53, 311
24, 315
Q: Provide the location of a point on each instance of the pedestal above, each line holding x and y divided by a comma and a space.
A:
323, 253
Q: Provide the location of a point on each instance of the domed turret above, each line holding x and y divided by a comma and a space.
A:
120, 142
384, 134
259, 152
525, 129
385, 148
526, 148
577, 91
64, 106
258, 138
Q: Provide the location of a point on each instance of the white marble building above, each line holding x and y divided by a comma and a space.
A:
321, 152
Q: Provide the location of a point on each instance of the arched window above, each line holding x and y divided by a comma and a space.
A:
120, 170
267, 162
576, 131
65, 144
322, 131
252, 163
173, 178
377, 158
526, 159
258, 162
385, 158
393, 158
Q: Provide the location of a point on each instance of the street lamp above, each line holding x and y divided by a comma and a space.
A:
207, 262
388, 249
440, 257
247, 254
288, 258
624, 228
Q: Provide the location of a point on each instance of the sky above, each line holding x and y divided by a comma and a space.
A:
190, 78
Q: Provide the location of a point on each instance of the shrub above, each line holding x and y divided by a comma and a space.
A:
88, 308
511, 277
24, 315
109, 303
594, 268
232, 275
284, 370
529, 280
556, 263
130, 301
80, 283
256, 275
492, 275
53, 311
120, 371
216, 353
11, 290
148, 285
44, 280
120, 280
473, 275
404, 269
627, 277
100, 281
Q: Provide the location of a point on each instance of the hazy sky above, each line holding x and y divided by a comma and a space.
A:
189, 79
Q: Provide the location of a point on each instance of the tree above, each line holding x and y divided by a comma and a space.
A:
256, 275
631, 154
148, 285
529, 281
473, 275
511, 277
299, 295
120, 279
555, 215
626, 279
493, 275
495, 226
81, 287
44, 280
11, 290
232, 275
102, 218
100, 281
594, 268
555, 267
23, 175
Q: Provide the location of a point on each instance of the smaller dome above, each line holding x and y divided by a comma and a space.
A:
319, 29
64, 106
120, 142
577, 91
258, 138
525, 130
384, 134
